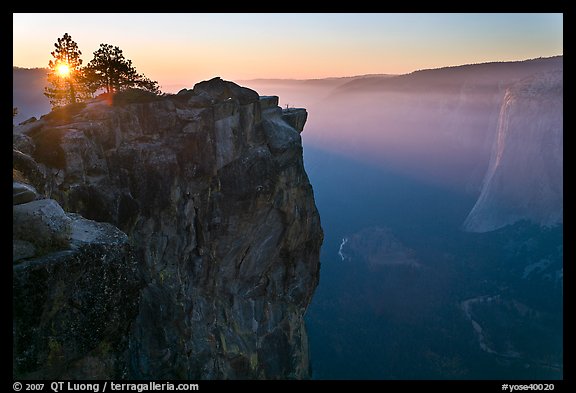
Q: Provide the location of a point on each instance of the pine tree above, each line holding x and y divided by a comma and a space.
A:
111, 71
66, 75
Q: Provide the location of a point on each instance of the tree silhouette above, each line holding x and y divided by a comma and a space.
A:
111, 71
65, 76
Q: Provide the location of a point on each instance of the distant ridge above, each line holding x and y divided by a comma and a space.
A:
505, 72
331, 78
557, 57
28, 93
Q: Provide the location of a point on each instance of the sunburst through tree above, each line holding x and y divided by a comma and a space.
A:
65, 75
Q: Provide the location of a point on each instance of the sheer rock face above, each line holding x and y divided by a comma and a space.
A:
212, 193
524, 179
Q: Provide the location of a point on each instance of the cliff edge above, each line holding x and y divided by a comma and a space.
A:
209, 187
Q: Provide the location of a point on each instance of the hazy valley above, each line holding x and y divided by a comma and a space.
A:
428, 159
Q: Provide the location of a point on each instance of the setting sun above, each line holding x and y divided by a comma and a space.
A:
63, 70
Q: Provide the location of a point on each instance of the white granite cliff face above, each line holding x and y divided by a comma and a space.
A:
524, 180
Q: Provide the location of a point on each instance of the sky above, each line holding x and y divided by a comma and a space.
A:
180, 49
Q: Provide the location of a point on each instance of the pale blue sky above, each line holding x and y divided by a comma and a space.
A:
185, 48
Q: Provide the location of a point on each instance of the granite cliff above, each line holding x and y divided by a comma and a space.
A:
217, 239
524, 178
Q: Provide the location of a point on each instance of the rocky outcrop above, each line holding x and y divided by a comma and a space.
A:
377, 247
524, 179
75, 288
210, 188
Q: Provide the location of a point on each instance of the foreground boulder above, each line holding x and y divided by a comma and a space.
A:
72, 302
